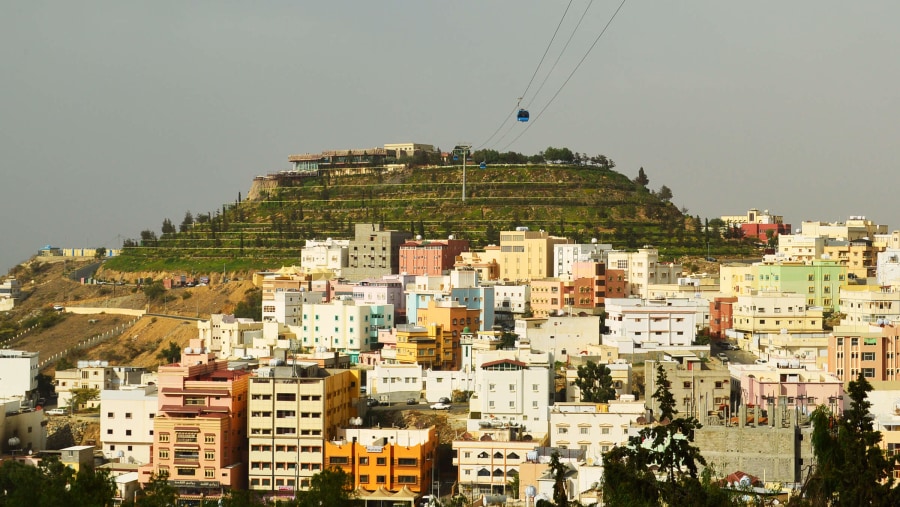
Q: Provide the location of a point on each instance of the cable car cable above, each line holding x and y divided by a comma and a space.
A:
583, 58
532, 76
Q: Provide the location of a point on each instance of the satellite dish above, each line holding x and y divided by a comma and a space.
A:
745, 481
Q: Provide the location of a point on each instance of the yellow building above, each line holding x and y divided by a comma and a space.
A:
527, 255
421, 345
454, 318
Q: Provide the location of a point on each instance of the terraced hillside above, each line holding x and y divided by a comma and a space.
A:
282, 211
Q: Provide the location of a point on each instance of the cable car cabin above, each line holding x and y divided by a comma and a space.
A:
523, 115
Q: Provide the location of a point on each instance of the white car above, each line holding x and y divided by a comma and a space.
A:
440, 406
56, 411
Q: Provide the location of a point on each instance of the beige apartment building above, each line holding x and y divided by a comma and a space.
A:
293, 411
527, 255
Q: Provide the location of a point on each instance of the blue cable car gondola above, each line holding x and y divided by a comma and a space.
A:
482, 165
523, 115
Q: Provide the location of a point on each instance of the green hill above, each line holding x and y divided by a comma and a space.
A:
283, 210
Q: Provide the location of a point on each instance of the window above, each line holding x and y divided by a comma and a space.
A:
364, 479
209, 473
110, 415
286, 397
127, 415
209, 455
868, 372
584, 431
380, 479
363, 460
339, 460
868, 356
407, 462
562, 431
209, 439
604, 431
381, 461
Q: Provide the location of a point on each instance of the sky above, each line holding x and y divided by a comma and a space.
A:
117, 115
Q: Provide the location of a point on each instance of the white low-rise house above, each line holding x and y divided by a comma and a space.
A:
642, 269
595, 427
223, 333
637, 325
126, 423
560, 335
511, 301
328, 255
870, 304
566, 255
512, 387
488, 459
395, 382
10, 291
99, 375
443, 384
21, 428
888, 267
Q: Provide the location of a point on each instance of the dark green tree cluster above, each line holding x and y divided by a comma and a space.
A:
660, 465
850, 469
52, 484
595, 382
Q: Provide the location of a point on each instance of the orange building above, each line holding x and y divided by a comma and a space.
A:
421, 345
453, 318
873, 350
721, 316
389, 458
200, 428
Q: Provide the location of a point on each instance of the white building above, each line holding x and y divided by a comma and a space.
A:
126, 423
801, 248
512, 387
868, 304
99, 375
331, 255
223, 333
643, 268
510, 303
595, 427
343, 326
10, 291
638, 325
560, 335
565, 256
888, 267
20, 371
442, 384
395, 382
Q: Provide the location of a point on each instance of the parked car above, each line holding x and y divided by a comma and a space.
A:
440, 406
722, 357
57, 411
412, 401
371, 402
760, 361
444, 399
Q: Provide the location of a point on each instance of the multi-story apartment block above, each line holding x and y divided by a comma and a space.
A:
461, 286
800, 248
803, 388
21, 428
873, 350
488, 458
224, 332
642, 268
510, 303
560, 335
819, 280
736, 279
620, 371
293, 411
721, 316
486, 263
550, 295
512, 387
97, 375
426, 345
431, 257
330, 255
638, 325
566, 255
696, 386
389, 289
685, 287
10, 291
454, 319
595, 428
856, 227
859, 256
870, 304
20, 371
527, 255
388, 458
200, 429
765, 313
285, 308
374, 252
126, 423
343, 326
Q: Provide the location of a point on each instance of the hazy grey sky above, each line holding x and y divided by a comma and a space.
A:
115, 115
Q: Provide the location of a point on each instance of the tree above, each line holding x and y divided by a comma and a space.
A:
154, 290
332, 487
148, 237
171, 354
642, 178
157, 492
851, 469
82, 395
251, 306
595, 382
100, 252
187, 222
665, 193
168, 227
559, 471
663, 395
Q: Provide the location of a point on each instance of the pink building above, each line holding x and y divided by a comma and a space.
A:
200, 429
430, 257
801, 388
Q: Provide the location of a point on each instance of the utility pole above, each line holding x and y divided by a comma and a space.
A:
462, 149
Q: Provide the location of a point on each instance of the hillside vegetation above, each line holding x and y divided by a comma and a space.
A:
578, 201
